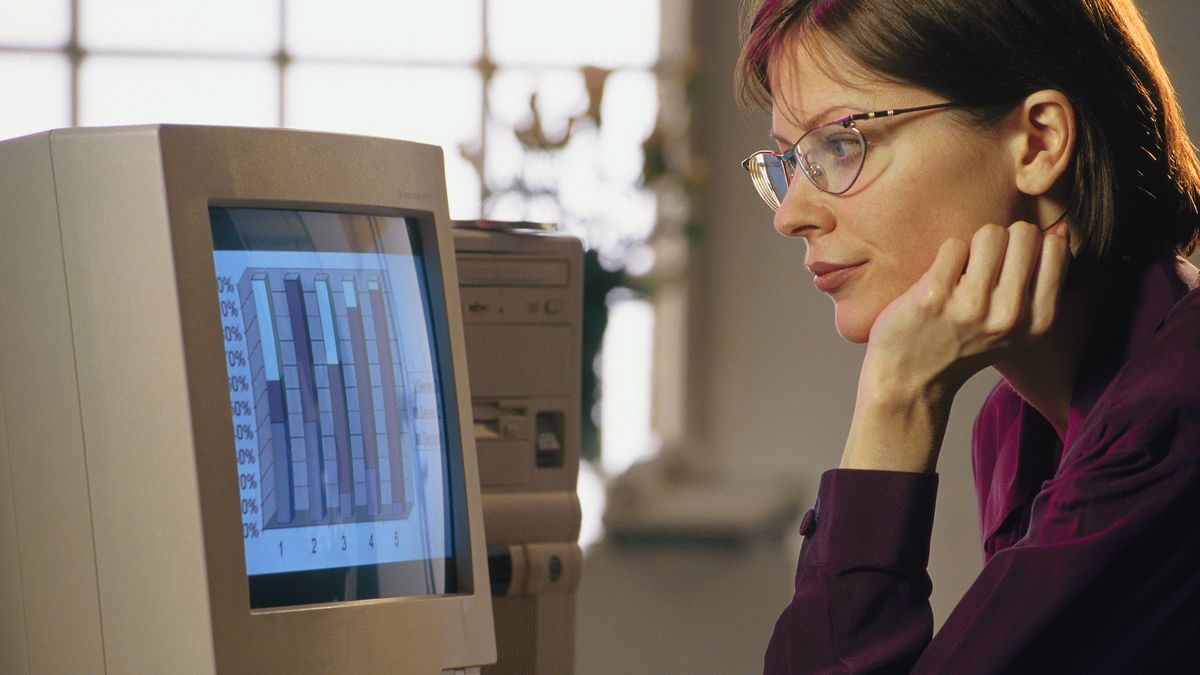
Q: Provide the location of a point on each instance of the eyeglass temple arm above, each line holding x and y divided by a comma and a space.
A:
849, 120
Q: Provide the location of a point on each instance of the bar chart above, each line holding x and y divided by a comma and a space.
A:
333, 405
334, 391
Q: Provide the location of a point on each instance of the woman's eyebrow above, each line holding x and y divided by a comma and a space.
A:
823, 117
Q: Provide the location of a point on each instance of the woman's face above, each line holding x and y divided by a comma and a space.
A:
927, 177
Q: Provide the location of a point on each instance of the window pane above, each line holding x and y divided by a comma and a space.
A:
440, 106
590, 184
123, 90
592, 498
526, 181
574, 32
43, 81
39, 23
629, 111
212, 26
561, 94
626, 362
386, 29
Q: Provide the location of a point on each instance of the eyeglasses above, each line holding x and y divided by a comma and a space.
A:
830, 156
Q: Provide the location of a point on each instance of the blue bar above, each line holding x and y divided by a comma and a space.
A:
281, 448
337, 399
266, 322
302, 341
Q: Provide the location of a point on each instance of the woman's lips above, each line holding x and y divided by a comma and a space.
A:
829, 277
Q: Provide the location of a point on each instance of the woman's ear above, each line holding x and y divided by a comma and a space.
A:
1043, 141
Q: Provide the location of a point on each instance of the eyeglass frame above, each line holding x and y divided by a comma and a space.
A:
790, 157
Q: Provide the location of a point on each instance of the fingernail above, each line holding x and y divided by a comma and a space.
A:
1059, 229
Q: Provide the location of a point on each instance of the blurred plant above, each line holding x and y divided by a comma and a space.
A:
669, 175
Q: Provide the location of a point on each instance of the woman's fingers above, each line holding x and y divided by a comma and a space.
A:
974, 302
940, 280
997, 290
1011, 296
988, 253
1052, 270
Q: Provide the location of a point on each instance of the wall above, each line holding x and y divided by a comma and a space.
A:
773, 385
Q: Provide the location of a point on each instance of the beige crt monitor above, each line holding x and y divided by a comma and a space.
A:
235, 425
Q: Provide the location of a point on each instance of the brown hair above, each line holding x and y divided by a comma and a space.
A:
1136, 177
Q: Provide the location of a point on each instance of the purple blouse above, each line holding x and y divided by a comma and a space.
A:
1092, 546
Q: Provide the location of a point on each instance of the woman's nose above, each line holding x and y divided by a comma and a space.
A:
801, 214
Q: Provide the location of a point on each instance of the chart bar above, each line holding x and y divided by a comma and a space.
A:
284, 494
302, 343
391, 405
362, 385
337, 397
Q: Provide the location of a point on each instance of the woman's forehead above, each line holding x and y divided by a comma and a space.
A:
805, 91
813, 82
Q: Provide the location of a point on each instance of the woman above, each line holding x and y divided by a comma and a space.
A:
1008, 184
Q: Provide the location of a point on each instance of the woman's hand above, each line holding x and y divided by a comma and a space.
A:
973, 304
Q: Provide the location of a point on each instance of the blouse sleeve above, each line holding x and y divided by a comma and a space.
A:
1104, 579
862, 593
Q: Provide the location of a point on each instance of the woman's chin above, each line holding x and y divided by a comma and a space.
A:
851, 325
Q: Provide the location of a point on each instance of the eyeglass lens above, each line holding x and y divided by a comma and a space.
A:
831, 157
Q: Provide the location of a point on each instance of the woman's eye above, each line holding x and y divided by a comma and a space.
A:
842, 147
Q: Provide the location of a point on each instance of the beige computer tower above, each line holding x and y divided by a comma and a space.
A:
521, 295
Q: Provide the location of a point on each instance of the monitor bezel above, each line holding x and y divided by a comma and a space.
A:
205, 167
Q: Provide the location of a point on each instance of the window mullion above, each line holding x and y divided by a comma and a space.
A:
282, 61
75, 57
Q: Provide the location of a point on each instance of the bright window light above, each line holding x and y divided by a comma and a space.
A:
44, 102
626, 359
560, 91
574, 32
592, 500
126, 90
180, 26
595, 176
44, 23
416, 30
630, 111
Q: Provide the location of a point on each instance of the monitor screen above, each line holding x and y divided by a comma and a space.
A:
337, 405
